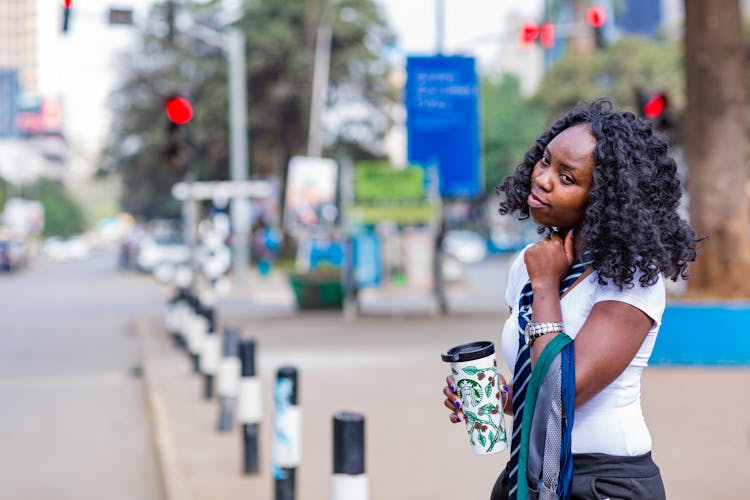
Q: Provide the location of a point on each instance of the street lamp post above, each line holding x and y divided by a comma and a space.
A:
232, 43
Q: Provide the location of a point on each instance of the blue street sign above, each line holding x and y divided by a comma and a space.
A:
442, 124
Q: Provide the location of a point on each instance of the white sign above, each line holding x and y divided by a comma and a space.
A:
221, 190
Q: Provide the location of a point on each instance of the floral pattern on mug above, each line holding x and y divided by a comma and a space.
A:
480, 394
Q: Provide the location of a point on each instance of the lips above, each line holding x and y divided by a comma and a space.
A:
536, 202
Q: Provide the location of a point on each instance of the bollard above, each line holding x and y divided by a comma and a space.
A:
349, 480
183, 280
197, 327
178, 318
228, 379
249, 409
210, 353
171, 315
287, 433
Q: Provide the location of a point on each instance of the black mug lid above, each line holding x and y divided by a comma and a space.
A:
469, 352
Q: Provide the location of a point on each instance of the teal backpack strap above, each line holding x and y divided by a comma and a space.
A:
537, 377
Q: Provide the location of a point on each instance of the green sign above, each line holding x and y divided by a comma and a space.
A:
424, 213
376, 182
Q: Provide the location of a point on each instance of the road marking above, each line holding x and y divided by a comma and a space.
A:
65, 381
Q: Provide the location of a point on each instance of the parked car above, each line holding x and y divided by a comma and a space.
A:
63, 249
468, 247
12, 255
156, 251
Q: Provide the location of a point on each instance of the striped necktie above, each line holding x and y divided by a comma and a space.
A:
522, 372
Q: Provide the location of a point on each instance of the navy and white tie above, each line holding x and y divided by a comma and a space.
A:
522, 371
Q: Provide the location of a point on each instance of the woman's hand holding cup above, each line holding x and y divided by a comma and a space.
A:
452, 402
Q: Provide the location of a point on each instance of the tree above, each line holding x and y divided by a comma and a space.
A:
63, 215
510, 125
279, 37
716, 146
614, 71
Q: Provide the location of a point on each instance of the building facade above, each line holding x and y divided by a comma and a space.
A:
19, 46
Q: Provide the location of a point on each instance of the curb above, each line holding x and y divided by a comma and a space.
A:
172, 478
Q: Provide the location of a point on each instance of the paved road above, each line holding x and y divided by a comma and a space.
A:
74, 422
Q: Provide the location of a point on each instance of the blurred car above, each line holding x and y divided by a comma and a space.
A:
468, 247
12, 255
63, 249
155, 252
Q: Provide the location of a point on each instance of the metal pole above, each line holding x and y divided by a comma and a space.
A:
238, 147
440, 26
319, 88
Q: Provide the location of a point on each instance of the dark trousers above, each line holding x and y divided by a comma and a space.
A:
598, 476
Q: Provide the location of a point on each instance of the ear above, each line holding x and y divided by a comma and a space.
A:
568, 246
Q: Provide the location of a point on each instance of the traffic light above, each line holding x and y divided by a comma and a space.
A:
529, 32
66, 15
654, 106
532, 32
179, 112
547, 35
178, 109
596, 17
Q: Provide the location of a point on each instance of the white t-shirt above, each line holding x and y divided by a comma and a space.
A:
612, 421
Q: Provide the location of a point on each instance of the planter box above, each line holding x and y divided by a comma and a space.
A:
317, 292
712, 334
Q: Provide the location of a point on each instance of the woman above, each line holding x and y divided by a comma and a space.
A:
603, 186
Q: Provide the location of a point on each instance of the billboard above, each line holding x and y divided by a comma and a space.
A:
311, 187
442, 99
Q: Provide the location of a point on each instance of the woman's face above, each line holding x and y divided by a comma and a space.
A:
562, 178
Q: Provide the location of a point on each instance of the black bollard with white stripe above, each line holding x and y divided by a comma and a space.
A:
183, 307
249, 408
349, 480
210, 353
171, 317
287, 433
228, 379
180, 318
197, 327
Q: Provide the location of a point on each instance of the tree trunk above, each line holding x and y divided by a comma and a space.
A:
583, 41
716, 147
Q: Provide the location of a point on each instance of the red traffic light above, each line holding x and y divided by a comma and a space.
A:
547, 35
654, 107
178, 110
596, 16
529, 32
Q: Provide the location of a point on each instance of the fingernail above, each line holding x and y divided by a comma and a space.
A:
453, 389
458, 419
457, 404
505, 388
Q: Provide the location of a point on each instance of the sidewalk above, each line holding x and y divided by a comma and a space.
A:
388, 368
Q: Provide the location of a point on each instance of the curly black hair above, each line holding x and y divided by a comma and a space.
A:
631, 222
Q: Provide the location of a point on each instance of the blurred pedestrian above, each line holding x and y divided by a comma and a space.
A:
601, 185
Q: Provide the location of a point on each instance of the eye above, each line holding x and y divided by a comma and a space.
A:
566, 179
545, 160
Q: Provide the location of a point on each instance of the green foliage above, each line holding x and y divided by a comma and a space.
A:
510, 125
63, 215
3, 191
614, 71
279, 47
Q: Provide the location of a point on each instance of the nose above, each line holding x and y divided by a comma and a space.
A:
544, 179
